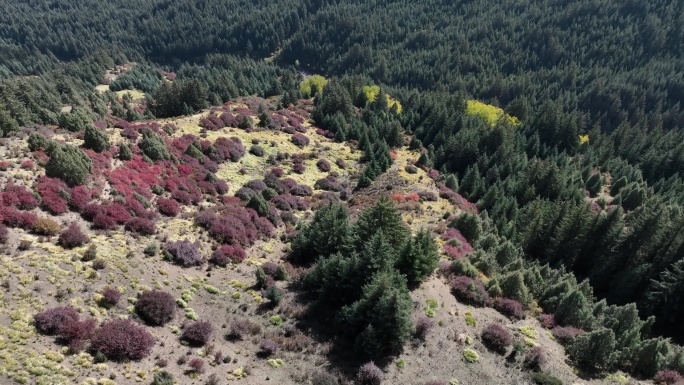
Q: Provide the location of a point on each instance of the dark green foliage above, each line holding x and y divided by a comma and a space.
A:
594, 350
452, 182
194, 152
69, 164
469, 225
328, 233
574, 309
261, 278
545, 379
593, 184
142, 77
274, 294
163, 377
76, 120
125, 152
153, 146
419, 258
39, 142
259, 204
381, 319
463, 266
7, 124
651, 356
513, 286
383, 216
95, 139
179, 98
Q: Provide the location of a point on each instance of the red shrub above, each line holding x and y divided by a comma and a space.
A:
4, 234
15, 218
239, 329
423, 326
277, 171
182, 197
75, 333
298, 168
667, 377
497, 338
142, 226
19, 197
469, 291
565, 334
118, 212
323, 165
290, 202
122, 340
104, 221
27, 164
156, 307
72, 237
547, 321
329, 183
79, 198
52, 320
54, 193
110, 297
268, 348
4, 166
510, 308
184, 253
196, 365
198, 334
370, 374
301, 190
227, 254
299, 140
168, 207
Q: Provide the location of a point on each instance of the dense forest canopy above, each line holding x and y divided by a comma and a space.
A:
584, 176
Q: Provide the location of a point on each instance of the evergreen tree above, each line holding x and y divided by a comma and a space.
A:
69, 164
125, 152
383, 216
419, 258
95, 139
594, 350
153, 146
329, 232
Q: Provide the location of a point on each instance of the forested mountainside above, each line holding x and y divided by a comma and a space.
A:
554, 129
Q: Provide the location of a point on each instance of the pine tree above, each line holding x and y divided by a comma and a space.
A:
95, 139
383, 216
69, 164
574, 309
125, 152
153, 146
419, 258
513, 286
329, 232
259, 204
594, 350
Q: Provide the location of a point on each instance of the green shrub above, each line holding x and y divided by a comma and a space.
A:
163, 377
69, 164
545, 379
274, 295
153, 146
470, 356
95, 139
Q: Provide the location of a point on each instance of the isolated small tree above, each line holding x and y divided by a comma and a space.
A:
69, 164
125, 152
153, 146
95, 139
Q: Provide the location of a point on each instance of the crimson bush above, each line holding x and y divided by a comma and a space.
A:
184, 253
75, 333
667, 377
510, 308
547, 321
370, 374
323, 165
72, 237
299, 140
142, 226
469, 291
227, 254
110, 297
496, 338
156, 307
52, 320
198, 334
168, 207
122, 340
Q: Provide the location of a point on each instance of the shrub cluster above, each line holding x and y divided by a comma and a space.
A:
76, 333
497, 338
168, 207
547, 321
141, 226
329, 183
470, 291
110, 297
156, 307
370, 374
510, 308
287, 202
198, 334
52, 320
122, 340
234, 225
4, 234
323, 165
667, 377
268, 348
299, 140
423, 326
184, 253
72, 237
535, 359
227, 254
46, 226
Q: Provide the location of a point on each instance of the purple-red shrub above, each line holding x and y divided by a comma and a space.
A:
423, 326
239, 329
535, 359
370, 374
79, 198
4, 234
182, 196
547, 321
565, 334
156, 307
287, 184
667, 377
50, 321
141, 226
277, 171
15, 218
227, 254
301, 190
268, 348
184, 253
196, 365
290, 202
341, 163
75, 333
323, 165
198, 334
110, 297
122, 340
510, 308
298, 167
232, 224
469, 291
168, 207
73, 236
329, 183
54, 194
221, 187
299, 140
257, 185
496, 338
19, 197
